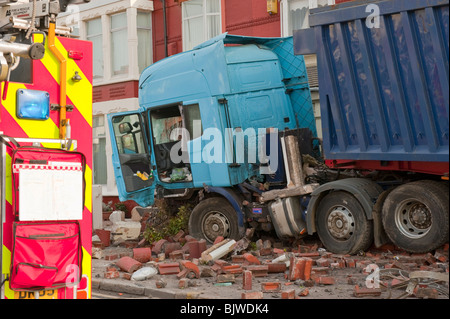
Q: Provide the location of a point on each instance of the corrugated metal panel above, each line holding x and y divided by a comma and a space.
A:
383, 88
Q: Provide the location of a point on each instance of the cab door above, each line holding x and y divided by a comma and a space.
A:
132, 160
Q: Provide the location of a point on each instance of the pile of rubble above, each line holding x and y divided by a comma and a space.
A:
296, 270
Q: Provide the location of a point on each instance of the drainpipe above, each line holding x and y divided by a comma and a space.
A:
165, 28
62, 79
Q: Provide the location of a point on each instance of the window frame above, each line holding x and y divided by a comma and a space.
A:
204, 15
102, 38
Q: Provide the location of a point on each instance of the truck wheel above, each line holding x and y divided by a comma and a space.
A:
342, 225
214, 217
415, 216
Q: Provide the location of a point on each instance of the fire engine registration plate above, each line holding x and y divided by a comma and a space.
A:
43, 294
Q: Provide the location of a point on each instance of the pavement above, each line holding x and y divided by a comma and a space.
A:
346, 281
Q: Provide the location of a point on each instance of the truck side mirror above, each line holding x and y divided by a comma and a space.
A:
125, 128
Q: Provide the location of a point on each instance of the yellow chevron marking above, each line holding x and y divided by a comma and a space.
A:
80, 93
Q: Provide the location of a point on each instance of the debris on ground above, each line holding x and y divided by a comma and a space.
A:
267, 268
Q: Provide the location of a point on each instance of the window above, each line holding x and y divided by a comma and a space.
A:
201, 22
119, 44
99, 150
144, 32
94, 34
296, 14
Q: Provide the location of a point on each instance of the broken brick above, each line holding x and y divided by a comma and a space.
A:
300, 268
191, 268
271, 286
142, 255
252, 295
323, 262
247, 280
296, 268
325, 280
251, 260
128, 264
259, 270
112, 274
288, 294
171, 247
366, 292
232, 269
237, 259
304, 292
183, 283
276, 267
169, 268
225, 278
158, 247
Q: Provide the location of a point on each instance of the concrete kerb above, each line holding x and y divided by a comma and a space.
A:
142, 289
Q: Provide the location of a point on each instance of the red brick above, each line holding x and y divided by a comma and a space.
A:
276, 267
323, 262
112, 274
126, 276
128, 264
271, 286
112, 257
176, 254
251, 260
191, 267
350, 263
310, 255
225, 278
259, 270
304, 292
171, 247
366, 292
158, 247
232, 269
247, 280
325, 280
321, 270
183, 283
179, 235
237, 259
288, 294
194, 249
142, 255
169, 268
296, 268
252, 295
308, 269
278, 251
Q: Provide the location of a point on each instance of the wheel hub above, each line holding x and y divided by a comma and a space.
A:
341, 223
215, 224
413, 219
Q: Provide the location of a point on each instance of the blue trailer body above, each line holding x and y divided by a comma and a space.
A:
384, 78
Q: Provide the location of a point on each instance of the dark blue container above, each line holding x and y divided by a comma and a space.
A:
383, 77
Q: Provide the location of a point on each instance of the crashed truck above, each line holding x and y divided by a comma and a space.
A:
45, 154
230, 125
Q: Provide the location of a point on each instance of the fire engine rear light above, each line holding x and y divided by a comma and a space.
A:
33, 105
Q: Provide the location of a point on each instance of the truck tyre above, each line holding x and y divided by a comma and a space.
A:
342, 225
214, 217
415, 216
